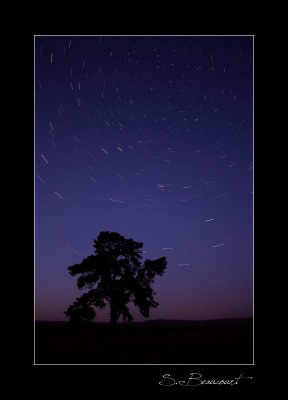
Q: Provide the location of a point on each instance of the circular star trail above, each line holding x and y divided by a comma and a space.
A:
151, 137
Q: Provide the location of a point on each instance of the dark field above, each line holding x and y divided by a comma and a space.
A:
227, 341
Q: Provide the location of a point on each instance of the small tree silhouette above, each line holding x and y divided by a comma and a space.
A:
119, 277
80, 314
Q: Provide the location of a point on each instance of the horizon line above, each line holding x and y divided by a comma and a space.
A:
150, 320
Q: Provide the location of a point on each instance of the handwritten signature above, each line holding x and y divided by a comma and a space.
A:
195, 379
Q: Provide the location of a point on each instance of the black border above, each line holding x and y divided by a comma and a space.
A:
123, 379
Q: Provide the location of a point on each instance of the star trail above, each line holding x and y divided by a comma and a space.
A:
150, 137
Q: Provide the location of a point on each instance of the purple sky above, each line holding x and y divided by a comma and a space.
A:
150, 137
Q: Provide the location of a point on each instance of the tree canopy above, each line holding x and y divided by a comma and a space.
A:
115, 276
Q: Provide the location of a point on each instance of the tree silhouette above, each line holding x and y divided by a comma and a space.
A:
114, 277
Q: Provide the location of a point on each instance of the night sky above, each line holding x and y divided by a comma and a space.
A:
150, 137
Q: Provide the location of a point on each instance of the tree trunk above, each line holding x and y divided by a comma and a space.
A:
113, 314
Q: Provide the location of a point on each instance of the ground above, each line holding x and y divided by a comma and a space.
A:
152, 342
